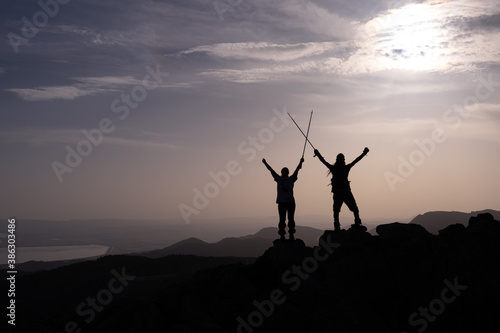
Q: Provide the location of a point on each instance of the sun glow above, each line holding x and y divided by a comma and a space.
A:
409, 38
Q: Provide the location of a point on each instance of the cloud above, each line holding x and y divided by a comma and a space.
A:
84, 86
120, 137
483, 23
487, 113
481, 123
52, 93
91, 36
41, 136
438, 2
402, 127
294, 20
307, 17
139, 143
263, 73
108, 81
267, 51
415, 37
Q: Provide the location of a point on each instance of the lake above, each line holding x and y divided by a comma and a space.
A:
54, 253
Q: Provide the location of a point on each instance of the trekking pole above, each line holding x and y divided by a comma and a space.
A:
301, 131
307, 134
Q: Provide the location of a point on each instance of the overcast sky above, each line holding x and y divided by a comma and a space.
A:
165, 109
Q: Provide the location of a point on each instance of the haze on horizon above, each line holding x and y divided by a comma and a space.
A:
417, 82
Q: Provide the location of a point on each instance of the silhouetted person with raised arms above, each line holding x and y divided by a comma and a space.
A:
340, 186
285, 199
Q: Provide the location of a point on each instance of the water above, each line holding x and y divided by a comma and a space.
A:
54, 253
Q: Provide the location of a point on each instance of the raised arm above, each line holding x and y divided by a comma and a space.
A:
269, 168
296, 172
316, 153
365, 151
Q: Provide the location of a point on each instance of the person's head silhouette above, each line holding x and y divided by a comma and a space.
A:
285, 172
340, 159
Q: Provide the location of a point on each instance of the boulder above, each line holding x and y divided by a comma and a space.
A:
482, 221
401, 228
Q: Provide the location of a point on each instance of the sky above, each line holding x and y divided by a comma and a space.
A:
165, 109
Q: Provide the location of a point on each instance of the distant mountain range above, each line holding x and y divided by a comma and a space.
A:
245, 246
254, 245
435, 221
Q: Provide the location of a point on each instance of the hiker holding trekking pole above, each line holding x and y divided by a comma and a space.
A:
285, 199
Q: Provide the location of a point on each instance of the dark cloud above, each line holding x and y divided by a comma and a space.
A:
480, 23
363, 10
491, 22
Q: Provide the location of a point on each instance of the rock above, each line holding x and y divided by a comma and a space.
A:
284, 253
401, 228
482, 221
401, 232
355, 232
454, 233
481, 217
358, 227
452, 230
407, 237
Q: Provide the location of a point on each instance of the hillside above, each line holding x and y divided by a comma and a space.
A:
245, 246
404, 279
248, 247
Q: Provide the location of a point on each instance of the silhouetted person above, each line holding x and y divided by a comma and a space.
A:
340, 186
285, 199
